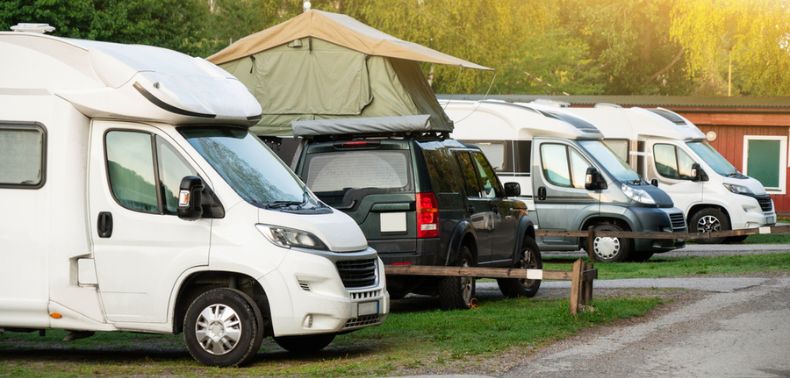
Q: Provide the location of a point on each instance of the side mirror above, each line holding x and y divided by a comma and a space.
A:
654, 182
512, 189
190, 201
593, 180
697, 173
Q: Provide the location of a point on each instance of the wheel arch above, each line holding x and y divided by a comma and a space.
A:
463, 234
701, 206
525, 228
199, 282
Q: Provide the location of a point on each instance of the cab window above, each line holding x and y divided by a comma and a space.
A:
135, 181
563, 166
671, 162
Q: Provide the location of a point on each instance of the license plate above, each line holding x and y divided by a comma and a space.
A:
393, 222
368, 308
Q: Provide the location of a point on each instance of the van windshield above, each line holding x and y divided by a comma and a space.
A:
605, 157
250, 168
708, 154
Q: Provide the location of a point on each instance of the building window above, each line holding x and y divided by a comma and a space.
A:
22, 157
765, 159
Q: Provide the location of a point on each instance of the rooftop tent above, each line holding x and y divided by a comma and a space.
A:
322, 65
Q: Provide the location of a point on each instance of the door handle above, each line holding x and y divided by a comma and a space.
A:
105, 224
470, 209
542, 193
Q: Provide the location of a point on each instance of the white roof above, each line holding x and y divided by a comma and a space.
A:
136, 82
630, 123
499, 120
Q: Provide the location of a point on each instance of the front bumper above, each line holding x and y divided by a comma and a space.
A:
320, 301
660, 220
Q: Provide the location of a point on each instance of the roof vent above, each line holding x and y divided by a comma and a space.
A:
33, 28
606, 105
556, 104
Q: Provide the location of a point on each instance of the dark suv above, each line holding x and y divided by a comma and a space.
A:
425, 200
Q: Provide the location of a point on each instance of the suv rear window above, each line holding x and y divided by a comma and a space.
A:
336, 171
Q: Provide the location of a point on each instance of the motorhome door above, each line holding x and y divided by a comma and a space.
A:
561, 200
140, 245
671, 166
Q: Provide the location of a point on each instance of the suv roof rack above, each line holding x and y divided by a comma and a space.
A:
367, 126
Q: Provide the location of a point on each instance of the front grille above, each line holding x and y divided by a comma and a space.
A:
365, 294
678, 222
765, 203
363, 321
357, 273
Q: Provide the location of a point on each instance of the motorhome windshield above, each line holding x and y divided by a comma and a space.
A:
708, 154
250, 168
609, 161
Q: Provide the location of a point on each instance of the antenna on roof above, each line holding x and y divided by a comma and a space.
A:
33, 28
306, 5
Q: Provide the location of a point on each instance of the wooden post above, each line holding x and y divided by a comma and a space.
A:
590, 242
576, 286
587, 286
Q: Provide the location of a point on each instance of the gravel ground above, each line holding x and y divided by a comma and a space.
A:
740, 329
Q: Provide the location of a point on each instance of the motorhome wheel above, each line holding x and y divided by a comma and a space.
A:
610, 249
222, 328
709, 220
530, 259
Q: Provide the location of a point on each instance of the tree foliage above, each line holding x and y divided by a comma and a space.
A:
668, 47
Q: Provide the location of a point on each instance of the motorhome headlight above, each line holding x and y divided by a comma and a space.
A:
638, 195
738, 189
289, 237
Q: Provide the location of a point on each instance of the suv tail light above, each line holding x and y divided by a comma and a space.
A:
427, 215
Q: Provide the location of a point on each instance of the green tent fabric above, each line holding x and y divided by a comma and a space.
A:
322, 65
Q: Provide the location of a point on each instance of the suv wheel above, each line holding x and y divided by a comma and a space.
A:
458, 292
610, 249
709, 219
529, 259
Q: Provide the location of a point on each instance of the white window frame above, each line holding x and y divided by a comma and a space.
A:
782, 189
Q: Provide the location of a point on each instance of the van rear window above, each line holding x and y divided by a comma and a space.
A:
338, 171
22, 156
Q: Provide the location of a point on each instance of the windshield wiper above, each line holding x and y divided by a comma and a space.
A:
281, 204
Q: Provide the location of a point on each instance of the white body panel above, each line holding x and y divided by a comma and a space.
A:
640, 125
58, 273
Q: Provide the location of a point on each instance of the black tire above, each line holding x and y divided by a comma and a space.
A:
458, 292
305, 344
639, 256
395, 295
529, 258
608, 249
204, 326
736, 239
709, 219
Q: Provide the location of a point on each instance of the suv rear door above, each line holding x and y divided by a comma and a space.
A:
373, 182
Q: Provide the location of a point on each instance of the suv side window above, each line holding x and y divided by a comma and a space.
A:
490, 188
135, 181
443, 170
672, 162
563, 166
471, 185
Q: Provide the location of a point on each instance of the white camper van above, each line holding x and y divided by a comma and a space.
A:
670, 151
134, 199
569, 178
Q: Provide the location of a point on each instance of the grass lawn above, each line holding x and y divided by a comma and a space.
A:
768, 239
659, 266
407, 343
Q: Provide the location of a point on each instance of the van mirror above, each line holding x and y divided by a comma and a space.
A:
512, 189
697, 173
654, 182
593, 180
190, 194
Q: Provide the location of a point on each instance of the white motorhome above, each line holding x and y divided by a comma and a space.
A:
570, 180
134, 199
670, 151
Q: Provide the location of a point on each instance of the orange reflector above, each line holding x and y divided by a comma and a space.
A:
401, 263
55, 315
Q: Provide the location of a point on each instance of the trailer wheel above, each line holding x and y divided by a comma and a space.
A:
458, 292
223, 327
305, 344
528, 259
610, 249
709, 219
